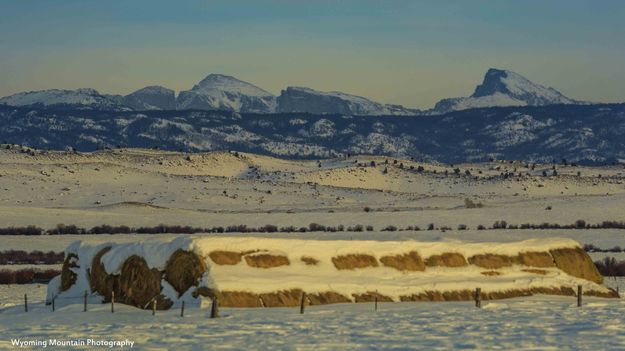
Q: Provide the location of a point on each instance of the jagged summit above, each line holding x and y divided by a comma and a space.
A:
505, 88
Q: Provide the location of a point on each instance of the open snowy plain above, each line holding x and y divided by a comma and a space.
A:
147, 188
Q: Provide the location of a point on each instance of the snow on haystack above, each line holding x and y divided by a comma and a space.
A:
263, 272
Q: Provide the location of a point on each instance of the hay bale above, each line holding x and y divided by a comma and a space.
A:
204, 291
225, 257
536, 259
447, 259
563, 290
264, 260
491, 273
184, 269
370, 296
68, 277
535, 271
353, 261
458, 295
282, 298
139, 284
326, 298
238, 299
467, 295
577, 263
99, 280
406, 262
506, 294
309, 261
491, 261
608, 295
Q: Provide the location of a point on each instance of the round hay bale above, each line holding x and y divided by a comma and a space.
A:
491, 261
536, 259
68, 277
326, 298
138, 284
406, 262
309, 261
353, 261
577, 263
447, 259
225, 257
99, 280
282, 298
265, 260
184, 269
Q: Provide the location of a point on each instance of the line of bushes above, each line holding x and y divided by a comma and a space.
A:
33, 257
609, 267
27, 276
593, 248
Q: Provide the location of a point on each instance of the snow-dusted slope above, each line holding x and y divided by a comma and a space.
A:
221, 92
504, 88
84, 98
151, 98
299, 99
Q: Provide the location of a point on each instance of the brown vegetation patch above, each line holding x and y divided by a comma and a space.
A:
309, 261
99, 279
491, 273
491, 261
370, 296
536, 259
266, 260
353, 261
282, 298
68, 277
447, 259
535, 271
577, 263
467, 295
406, 262
238, 299
139, 284
609, 294
184, 269
225, 257
326, 298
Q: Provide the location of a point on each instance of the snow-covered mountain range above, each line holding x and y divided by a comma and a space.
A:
505, 88
221, 92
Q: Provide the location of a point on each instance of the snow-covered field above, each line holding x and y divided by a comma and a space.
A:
145, 188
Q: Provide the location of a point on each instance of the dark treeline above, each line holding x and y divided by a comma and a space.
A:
61, 229
33, 257
593, 248
27, 276
609, 267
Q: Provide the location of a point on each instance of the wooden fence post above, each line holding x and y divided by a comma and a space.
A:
579, 296
302, 303
53, 298
25, 303
112, 301
154, 307
85, 298
214, 308
376, 304
182, 310
478, 297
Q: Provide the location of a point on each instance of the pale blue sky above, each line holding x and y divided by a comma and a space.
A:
407, 52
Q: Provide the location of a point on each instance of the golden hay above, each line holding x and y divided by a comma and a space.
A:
282, 298
225, 257
99, 279
68, 277
238, 299
577, 263
536, 259
491, 261
309, 261
327, 297
610, 294
138, 284
370, 296
466, 295
447, 259
266, 260
491, 273
535, 271
353, 261
184, 269
407, 262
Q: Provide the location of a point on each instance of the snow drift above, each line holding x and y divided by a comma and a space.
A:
262, 272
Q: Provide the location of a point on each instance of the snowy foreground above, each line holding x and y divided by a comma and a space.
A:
530, 323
